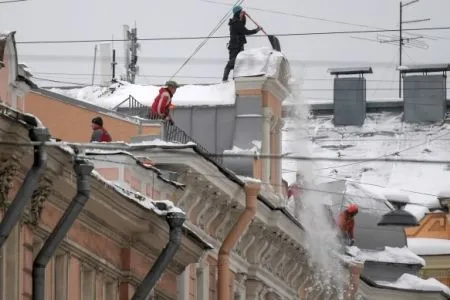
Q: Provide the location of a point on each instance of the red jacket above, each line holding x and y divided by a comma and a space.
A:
161, 104
347, 224
100, 135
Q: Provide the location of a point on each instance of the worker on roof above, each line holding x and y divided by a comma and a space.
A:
99, 133
238, 31
162, 104
346, 223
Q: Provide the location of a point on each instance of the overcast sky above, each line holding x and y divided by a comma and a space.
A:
309, 56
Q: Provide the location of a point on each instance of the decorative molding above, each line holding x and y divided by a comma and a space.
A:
9, 169
41, 194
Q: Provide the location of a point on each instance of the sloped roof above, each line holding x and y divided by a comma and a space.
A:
382, 135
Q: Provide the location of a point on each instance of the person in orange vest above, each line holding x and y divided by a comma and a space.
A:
346, 223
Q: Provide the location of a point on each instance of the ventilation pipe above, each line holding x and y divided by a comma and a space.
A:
29, 184
82, 169
223, 283
175, 221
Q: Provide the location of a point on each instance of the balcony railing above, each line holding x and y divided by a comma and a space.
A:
171, 133
134, 107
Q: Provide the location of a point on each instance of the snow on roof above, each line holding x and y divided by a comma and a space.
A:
161, 207
418, 211
262, 61
188, 95
388, 255
429, 246
158, 172
411, 282
381, 134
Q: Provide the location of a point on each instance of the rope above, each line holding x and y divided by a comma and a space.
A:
224, 18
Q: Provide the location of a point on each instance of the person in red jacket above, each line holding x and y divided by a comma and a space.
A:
347, 223
99, 134
161, 105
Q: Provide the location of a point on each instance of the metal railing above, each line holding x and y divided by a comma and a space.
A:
134, 107
173, 133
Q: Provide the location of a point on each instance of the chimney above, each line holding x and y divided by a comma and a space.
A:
105, 59
349, 96
424, 94
262, 83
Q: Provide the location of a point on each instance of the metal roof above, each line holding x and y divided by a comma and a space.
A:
350, 71
424, 68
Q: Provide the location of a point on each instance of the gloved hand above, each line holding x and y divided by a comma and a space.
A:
352, 242
259, 28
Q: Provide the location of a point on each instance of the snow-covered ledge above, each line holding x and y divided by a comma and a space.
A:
263, 69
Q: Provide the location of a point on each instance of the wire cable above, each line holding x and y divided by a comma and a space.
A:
287, 156
224, 18
319, 33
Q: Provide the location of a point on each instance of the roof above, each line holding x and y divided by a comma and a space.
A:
241, 181
429, 246
160, 208
383, 134
187, 95
410, 283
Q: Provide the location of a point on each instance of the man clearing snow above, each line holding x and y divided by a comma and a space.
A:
161, 105
346, 224
238, 31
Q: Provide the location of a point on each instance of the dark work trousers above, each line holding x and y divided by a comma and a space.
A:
233, 53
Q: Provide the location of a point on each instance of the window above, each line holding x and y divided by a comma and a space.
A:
110, 290
88, 284
61, 276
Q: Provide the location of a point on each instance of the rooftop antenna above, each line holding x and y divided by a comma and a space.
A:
411, 41
401, 40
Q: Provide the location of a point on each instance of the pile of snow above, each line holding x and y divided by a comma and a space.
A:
253, 151
445, 193
389, 255
418, 211
188, 95
396, 195
429, 246
258, 62
411, 282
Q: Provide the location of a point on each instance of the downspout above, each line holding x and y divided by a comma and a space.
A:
223, 283
175, 221
83, 170
29, 184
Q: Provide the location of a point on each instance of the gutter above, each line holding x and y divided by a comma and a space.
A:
175, 220
244, 220
82, 169
28, 186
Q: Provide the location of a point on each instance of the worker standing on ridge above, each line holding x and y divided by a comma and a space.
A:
160, 109
346, 224
238, 31
99, 133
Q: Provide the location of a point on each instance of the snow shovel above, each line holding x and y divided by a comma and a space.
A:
272, 39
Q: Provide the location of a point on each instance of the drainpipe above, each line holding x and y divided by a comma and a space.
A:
175, 221
82, 169
223, 283
29, 184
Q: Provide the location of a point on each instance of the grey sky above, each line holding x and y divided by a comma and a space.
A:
309, 56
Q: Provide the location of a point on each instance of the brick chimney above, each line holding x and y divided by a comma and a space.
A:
260, 95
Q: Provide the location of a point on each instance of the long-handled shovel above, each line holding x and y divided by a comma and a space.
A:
272, 39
